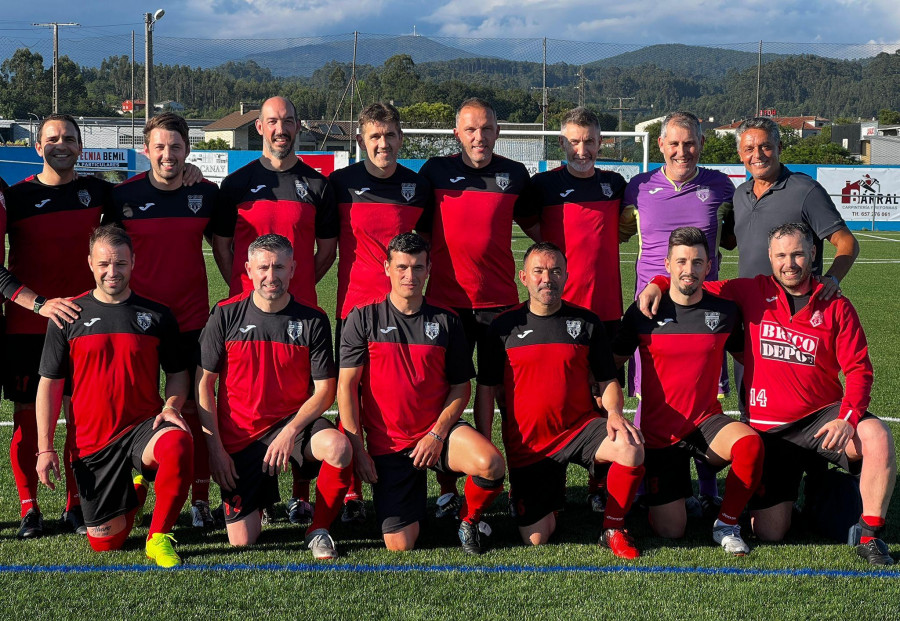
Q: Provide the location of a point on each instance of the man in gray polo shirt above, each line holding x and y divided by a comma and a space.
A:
775, 196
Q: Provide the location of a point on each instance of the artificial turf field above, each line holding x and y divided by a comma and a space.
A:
807, 577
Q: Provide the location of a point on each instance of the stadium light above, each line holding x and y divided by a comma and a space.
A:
150, 20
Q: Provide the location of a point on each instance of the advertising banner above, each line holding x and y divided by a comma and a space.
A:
862, 194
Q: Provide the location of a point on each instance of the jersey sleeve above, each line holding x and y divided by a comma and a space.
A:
354, 342
224, 218
171, 353
55, 356
526, 210
327, 224
321, 356
458, 359
214, 216
627, 338
426, 219
492, 361
820, 213
111, 213
600, 356
212, 342
852, 352
735, 342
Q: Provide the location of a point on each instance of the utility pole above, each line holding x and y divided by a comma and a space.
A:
621, 108
544, 90
581, 81
55, 26
132, 90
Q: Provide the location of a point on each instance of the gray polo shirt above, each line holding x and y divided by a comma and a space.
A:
795, 197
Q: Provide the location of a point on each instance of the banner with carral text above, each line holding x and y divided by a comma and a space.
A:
863, 194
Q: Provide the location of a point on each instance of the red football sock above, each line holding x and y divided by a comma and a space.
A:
200, 486
72, 497
354, 492
300, 486
331, 486
743, 479
621, 485
447, 482
174, 452
478, 495
871, 524
115, 542
23, 458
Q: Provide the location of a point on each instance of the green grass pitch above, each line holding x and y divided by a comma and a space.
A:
454, 591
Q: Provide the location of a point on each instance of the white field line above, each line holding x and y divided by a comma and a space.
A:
870, 237
731, 413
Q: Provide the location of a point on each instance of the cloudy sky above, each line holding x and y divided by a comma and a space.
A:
638, 22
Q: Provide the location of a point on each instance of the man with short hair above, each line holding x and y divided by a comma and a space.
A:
167, 222
797, 344
681, 419
680, 193
377, 199
279, 193
477, 197
263, 348
774, 196
50, 217
541, 360
414, 366
113, 354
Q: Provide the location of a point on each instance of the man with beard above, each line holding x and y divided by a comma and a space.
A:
797, 344
680, 419
279, 194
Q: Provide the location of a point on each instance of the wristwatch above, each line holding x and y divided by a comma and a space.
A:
39, 302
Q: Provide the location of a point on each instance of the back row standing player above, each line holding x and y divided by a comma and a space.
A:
477, 197
49, 217
680, 193
377, 199
280, 194
167, 222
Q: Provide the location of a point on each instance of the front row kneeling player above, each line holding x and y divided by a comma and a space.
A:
263, 347
414, 365
681, 351
796, 345
113, 354
541, 360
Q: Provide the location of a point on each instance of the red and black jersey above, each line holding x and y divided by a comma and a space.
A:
265, 362
372, 212
112, 353
9, 284
472, 264
296, 203
581, 216
681, 352
409, 364
49, 227
546, 366
167, 229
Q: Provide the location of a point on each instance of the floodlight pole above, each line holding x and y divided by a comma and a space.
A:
150, 20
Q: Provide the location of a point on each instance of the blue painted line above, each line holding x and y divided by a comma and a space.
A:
460, 569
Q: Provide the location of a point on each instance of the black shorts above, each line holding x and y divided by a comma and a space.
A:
792, 450
21, 361
475, 323
667, 476
539, 489
189, 342
104, 479
255, 489
400, 493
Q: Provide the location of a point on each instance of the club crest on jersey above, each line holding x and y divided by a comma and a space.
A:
502, 180
607, 190
431, 329
143, 320
573, 327
712, 320
195, 202
294, 330
302, 189
817, 319
407, 191
84, 197
703, 193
